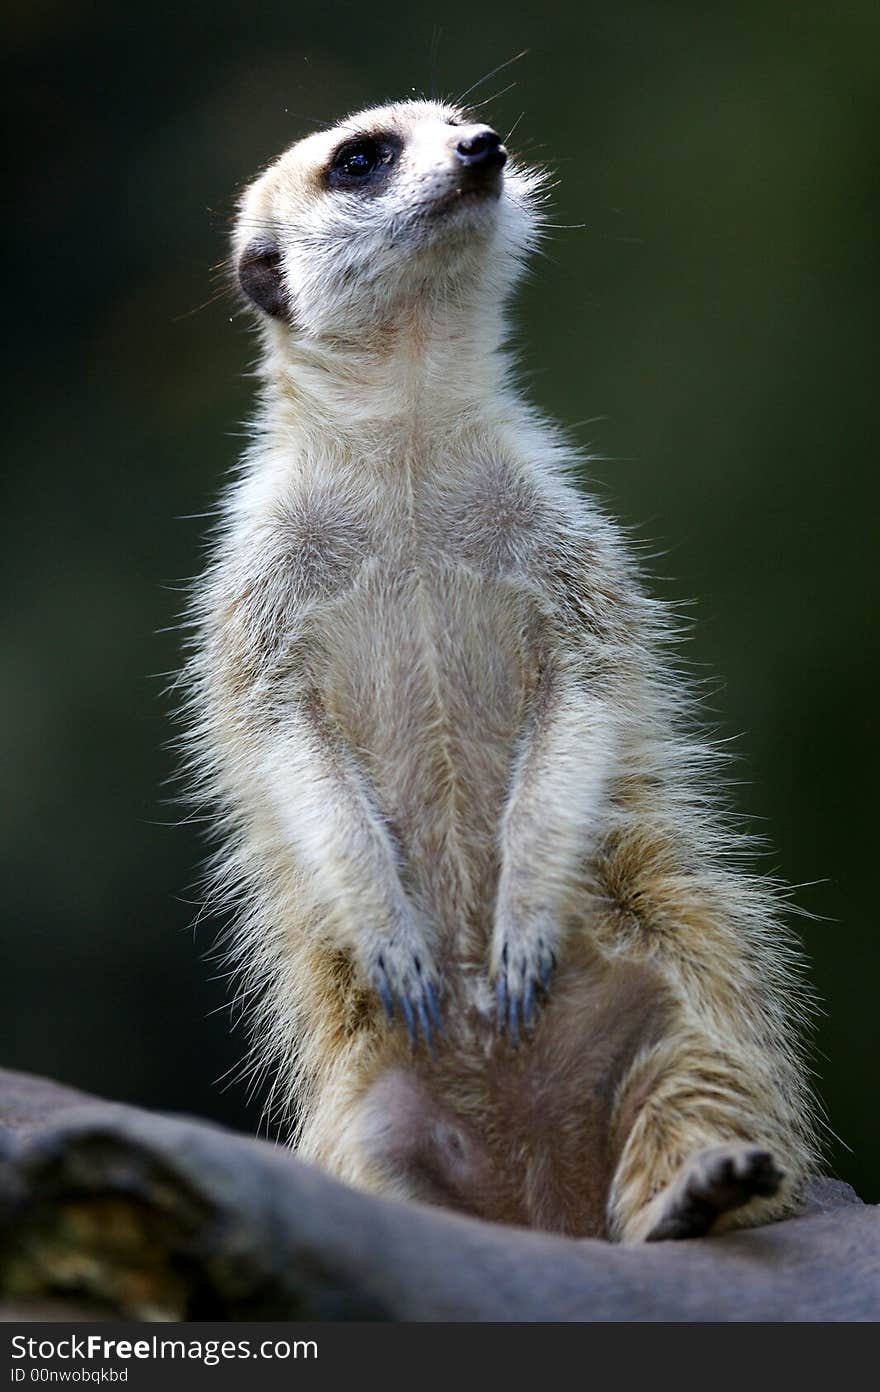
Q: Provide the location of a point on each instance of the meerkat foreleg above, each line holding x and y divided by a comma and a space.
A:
552, 816
703, 1153
339, 837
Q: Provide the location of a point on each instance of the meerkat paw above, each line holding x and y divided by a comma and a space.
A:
522, 980
716, 1181
403, 976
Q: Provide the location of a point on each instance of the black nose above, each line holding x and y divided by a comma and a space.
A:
481, 147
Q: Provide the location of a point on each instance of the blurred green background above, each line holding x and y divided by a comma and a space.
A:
712, 328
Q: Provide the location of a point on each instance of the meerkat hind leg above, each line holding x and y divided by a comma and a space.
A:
715, 1181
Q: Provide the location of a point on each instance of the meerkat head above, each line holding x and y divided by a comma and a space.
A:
403, 206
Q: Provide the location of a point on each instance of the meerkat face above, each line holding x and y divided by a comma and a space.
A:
405, 205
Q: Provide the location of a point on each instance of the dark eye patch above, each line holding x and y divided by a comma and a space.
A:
363, 162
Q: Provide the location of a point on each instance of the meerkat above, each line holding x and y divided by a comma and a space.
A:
502, 953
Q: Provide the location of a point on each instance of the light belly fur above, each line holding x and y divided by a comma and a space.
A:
427, 674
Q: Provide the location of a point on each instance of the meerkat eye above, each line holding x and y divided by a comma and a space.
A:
357, 161
360, 162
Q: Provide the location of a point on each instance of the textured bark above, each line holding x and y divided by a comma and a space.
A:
123, 1212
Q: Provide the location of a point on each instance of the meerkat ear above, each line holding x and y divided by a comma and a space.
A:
260, 277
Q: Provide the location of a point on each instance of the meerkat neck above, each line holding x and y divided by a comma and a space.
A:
424, 369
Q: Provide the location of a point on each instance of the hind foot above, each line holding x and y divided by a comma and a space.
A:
716, 1181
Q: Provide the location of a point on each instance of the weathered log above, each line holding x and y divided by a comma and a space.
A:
134, 1214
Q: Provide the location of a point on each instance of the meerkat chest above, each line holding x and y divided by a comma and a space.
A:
430, 594
416, 622
413, 626
422, 629
428, 671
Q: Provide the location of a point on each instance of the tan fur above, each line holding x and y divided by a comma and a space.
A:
431, 703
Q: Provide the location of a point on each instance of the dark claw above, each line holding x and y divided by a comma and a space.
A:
501, 999
434, 1007
410, 1021
513, 1019
529, 1007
